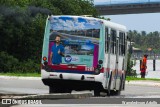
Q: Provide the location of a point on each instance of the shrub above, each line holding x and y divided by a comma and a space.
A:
7, 62
29, 66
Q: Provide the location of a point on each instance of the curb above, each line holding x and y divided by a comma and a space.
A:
59, 96
144, 83
21, 78
50, 96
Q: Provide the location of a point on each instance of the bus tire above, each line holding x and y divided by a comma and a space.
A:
67, 91
97, 92
59, 90
52, 90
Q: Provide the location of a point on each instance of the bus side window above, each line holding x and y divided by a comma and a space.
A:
106, 41
120, 39
124, 41
96, 33
121, 43
116, 46
113, 41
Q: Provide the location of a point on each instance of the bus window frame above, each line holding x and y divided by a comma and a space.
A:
113, 41
106, 39
122, 42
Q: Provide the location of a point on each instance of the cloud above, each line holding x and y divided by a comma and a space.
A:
54, 20
80, 25
68, 24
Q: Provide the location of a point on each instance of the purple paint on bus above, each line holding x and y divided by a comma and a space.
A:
95, 56
49, 51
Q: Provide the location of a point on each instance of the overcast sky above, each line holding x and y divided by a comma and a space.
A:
146, 21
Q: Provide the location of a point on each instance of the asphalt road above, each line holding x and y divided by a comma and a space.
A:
16, 86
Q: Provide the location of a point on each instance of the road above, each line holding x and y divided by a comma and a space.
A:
20, 86
16, 86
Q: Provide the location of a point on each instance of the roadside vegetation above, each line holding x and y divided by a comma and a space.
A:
19, 74
129, 78
22, 24
144, 40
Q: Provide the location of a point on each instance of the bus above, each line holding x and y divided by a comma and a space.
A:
95, 55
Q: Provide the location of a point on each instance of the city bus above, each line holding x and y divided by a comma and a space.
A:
95, 55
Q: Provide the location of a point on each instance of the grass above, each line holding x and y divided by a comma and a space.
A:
129, 78
18, 74
21, 74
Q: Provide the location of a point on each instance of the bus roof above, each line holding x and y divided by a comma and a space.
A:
106, 23
115, 25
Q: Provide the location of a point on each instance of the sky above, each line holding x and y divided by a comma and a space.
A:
68, 23
148, 22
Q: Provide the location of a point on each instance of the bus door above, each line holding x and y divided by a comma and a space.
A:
117, 61
107, 57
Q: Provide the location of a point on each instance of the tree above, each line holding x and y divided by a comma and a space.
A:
22, 24
144, 41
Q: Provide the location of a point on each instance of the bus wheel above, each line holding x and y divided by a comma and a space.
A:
59, 90
52, 89
97, 92
66, 91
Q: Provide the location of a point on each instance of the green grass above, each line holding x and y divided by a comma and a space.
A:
129, 78
18, 74
21, 74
